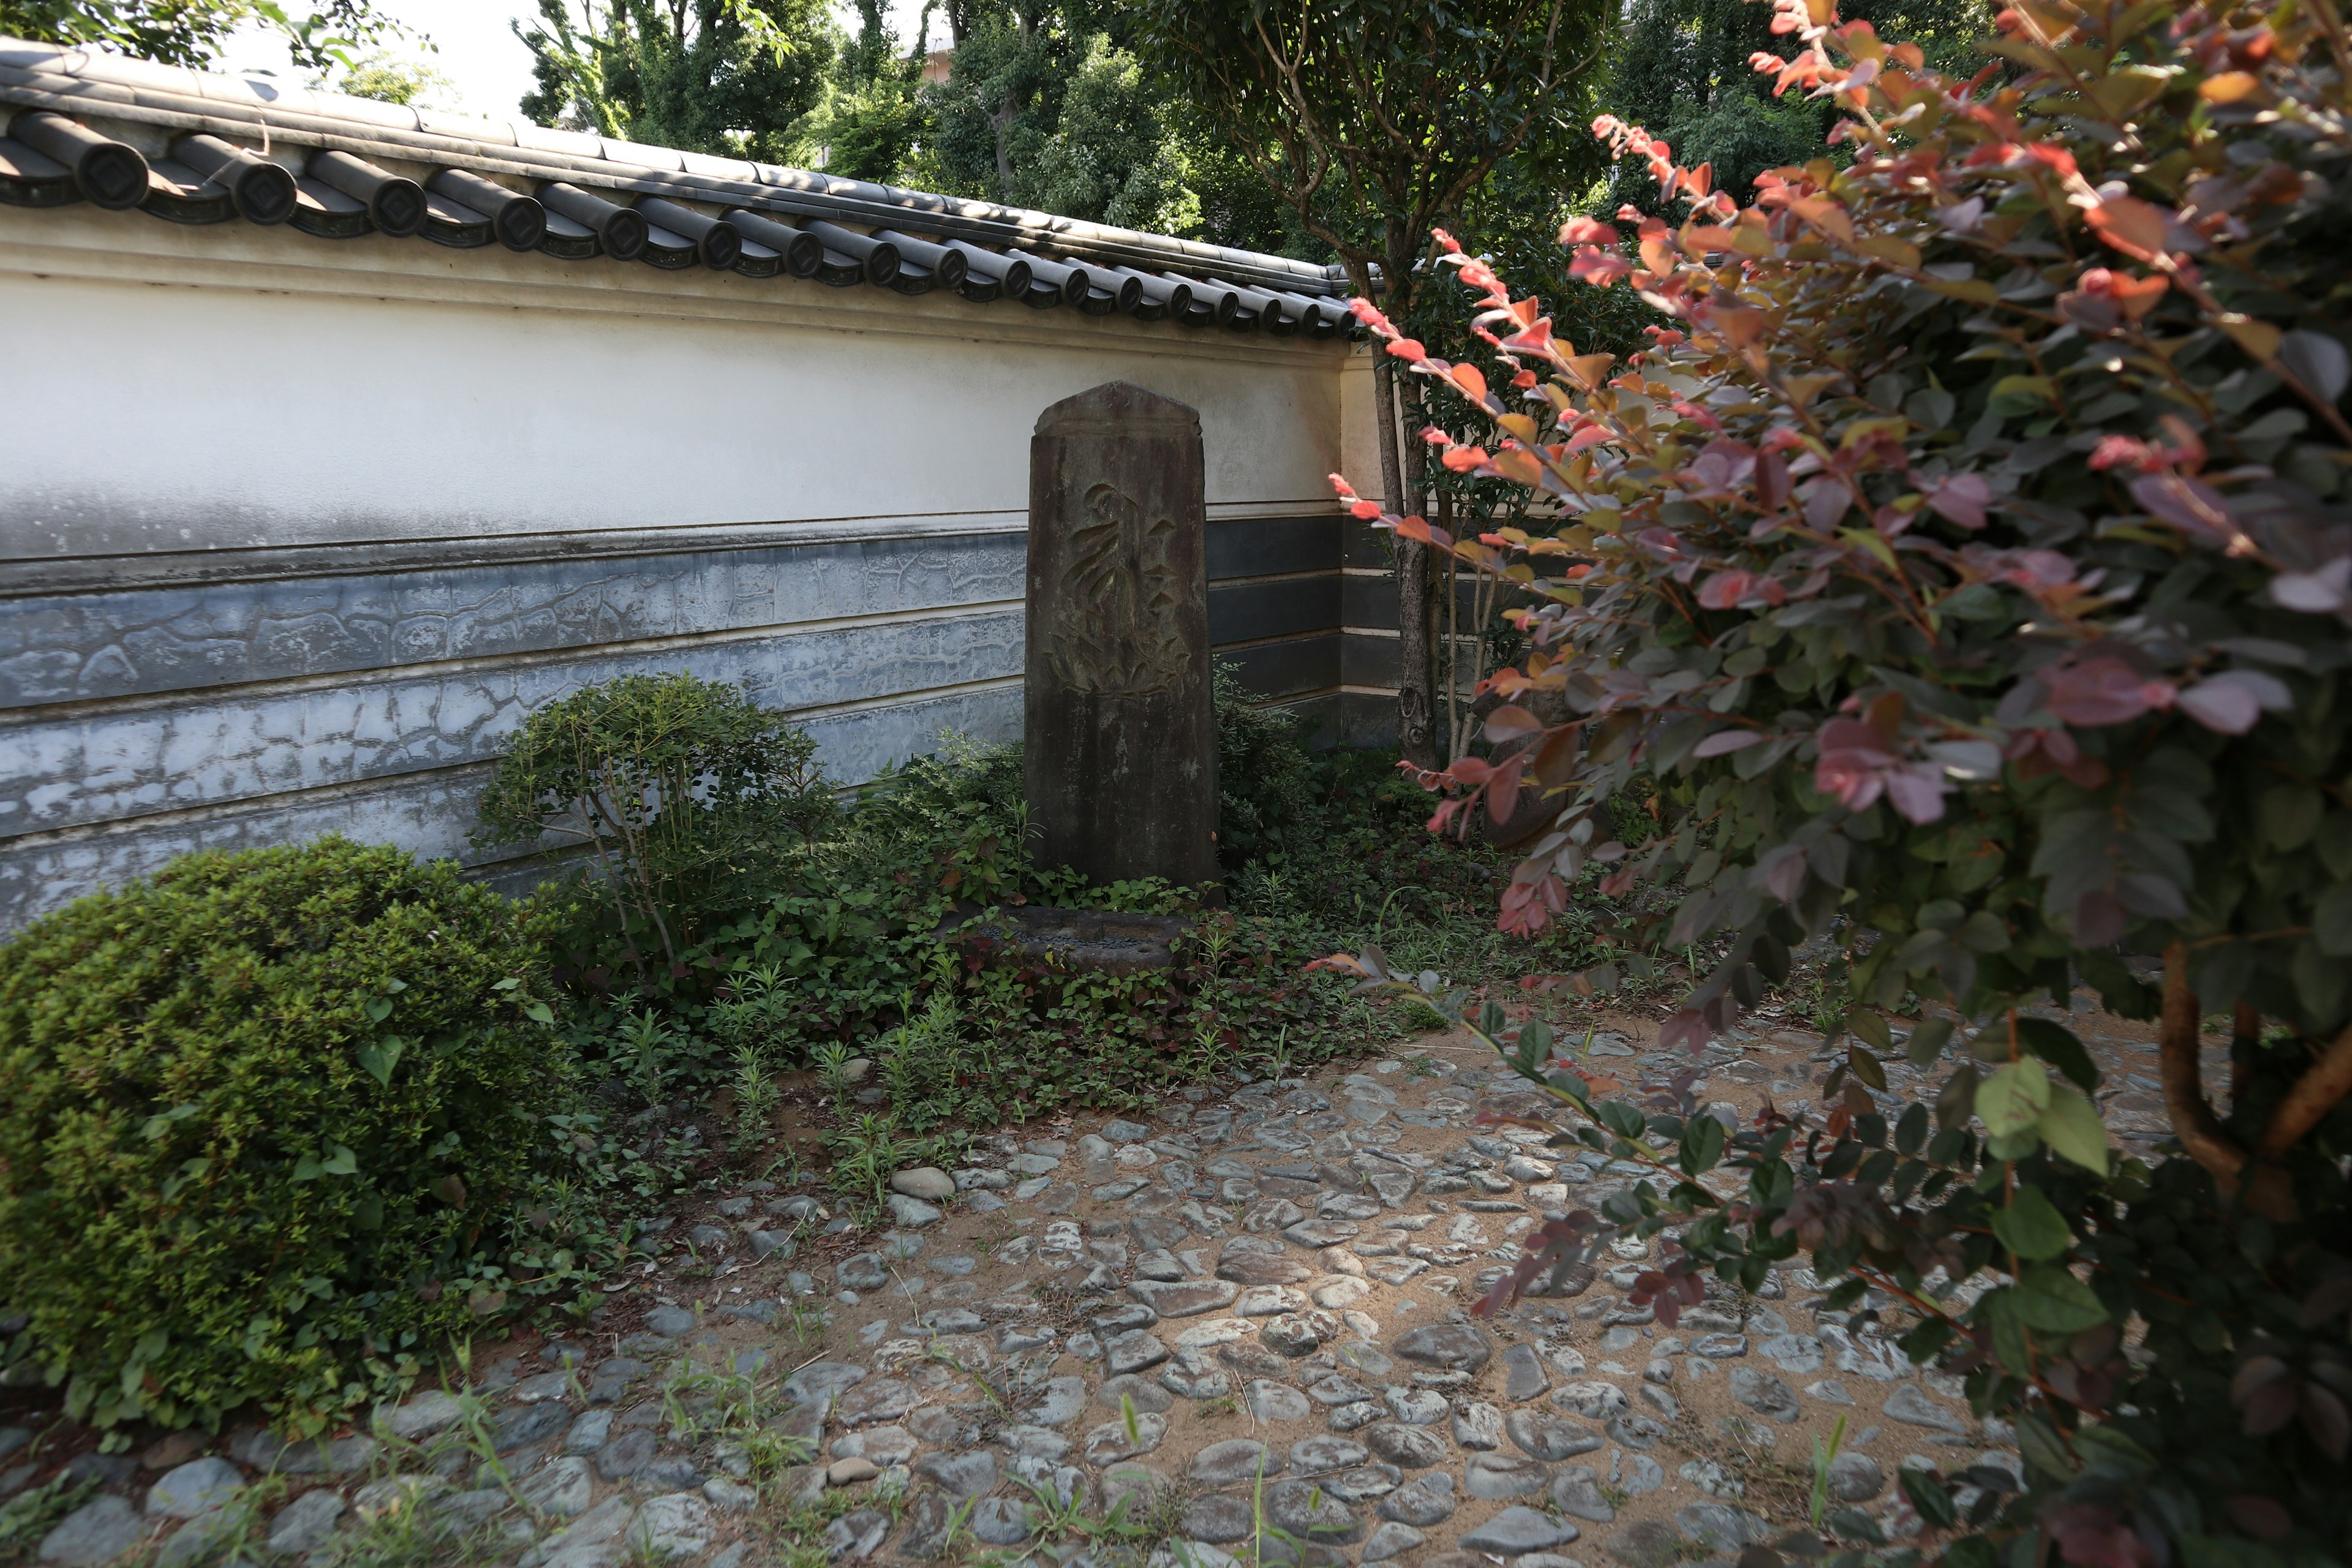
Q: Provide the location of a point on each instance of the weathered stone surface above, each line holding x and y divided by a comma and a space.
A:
1057, 1402
926, 1181
1516, 1532
1648, 1544
1415, 1406
198, 1486
1495, 1477
820, 1383
1577, 1491
1310, 1513
1545, 1437
1524, 1373
1262, 1268
1119, 745
1856, 1477
97, 1533
1276, 1401
1000, 1522
1426, 1501
1133, 1352
561, 1488
1721, 1528
1321, 1456
675, 1525
1391, 1540
1913, 1408
1220, 1519
1761, 1392
1413, 1448
1116, 1440
961, 1474
1234, 1459
928, 1522
1454, 1346
304, 1524
882, 1399
1477, 1426
1593, 1399
1183, 1298
853, 1535
1295, 1333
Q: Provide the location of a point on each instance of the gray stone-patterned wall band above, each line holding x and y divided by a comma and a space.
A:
136, 725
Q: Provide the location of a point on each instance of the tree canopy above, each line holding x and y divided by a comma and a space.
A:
1376, 122
191, 32
730, 77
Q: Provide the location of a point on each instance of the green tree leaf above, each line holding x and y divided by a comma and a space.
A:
2012, 1099
1928, 1040
378, 1057
2049, 1299
2056, 1044
2031, 1227
2070, 1124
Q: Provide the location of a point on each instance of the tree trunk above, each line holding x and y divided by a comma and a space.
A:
1416, 705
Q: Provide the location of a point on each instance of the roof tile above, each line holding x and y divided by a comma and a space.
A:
547, 139
497, 133
149, 106
718, 168
139, 75
638, 155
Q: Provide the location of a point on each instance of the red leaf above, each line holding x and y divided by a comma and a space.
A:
2131, 225
1962, 499
1503, 790
1510, 722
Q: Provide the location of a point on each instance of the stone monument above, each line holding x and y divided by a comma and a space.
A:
1120, 740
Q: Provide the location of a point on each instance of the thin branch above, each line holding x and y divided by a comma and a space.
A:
2315, 1093
2193, 1122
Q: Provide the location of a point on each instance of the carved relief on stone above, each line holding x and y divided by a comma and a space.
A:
1118, 633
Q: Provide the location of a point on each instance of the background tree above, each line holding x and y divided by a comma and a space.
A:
389, 77
1050, 106
1681, 70
191, 32
1376, 120
736, 78
870, 117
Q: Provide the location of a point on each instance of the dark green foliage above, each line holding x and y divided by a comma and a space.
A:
1052, 109
729, 77
869, 123
269, 1119
1265, 779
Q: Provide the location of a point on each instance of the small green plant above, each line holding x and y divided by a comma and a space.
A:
755, 1098
1824, 1455
644, 1045
28, 1516
864, 1153
678, 788
397, 1530
833, 1059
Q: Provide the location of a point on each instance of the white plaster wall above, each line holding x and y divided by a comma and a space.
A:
1360, 424
169, 389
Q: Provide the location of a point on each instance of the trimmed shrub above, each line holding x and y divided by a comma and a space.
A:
267, 1115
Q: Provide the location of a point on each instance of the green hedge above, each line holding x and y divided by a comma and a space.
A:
268, 1119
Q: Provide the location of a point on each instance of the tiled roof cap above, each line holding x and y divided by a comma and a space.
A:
65, 111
